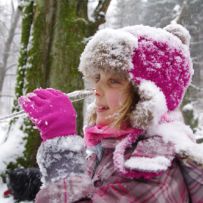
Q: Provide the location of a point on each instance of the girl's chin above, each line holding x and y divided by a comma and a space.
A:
103, 122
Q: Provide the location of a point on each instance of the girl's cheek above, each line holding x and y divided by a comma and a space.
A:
115, 99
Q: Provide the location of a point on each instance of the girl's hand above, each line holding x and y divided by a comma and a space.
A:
51, 111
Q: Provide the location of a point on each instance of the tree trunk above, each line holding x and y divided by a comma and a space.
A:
53, 34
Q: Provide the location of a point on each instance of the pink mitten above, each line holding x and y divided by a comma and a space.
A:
51, 111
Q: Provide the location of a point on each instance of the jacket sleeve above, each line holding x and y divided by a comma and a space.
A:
193, 175
61, 156
75, 188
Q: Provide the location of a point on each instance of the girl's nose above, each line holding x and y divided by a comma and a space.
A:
99, 90
97, 93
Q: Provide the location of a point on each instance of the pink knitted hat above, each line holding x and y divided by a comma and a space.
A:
156, 61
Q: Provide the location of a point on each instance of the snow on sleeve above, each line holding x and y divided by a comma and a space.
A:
59, 157
72, 143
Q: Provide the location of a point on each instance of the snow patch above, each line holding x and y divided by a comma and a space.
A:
188, 107
158, 163
182, 137
72, 142
14, 141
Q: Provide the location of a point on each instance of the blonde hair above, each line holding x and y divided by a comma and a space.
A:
125, 110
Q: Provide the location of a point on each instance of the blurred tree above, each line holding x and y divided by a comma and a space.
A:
7, 47
53, 37
190, 15
9, 38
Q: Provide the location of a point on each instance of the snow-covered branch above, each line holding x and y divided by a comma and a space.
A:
6, 95
181, 13
100, 11
10, 66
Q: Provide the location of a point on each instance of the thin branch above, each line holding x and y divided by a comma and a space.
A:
12, 6
4, 25
183, 10
100, 11
195, 87
11, 66
7, 95
197, 42
10, 74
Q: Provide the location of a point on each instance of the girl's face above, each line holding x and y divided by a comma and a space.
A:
111, 93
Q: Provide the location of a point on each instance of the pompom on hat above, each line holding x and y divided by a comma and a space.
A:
157, 61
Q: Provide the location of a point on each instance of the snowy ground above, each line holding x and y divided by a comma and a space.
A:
14, 144
2, 189
9, 150
9, 199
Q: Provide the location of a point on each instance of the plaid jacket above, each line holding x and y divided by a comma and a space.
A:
182, 182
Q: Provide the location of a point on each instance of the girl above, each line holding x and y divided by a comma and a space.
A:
135, 149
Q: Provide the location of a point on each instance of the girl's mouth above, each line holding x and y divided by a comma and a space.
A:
102, 108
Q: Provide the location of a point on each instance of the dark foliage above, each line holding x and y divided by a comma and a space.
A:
23, 183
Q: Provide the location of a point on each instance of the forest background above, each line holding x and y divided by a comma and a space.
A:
41, 42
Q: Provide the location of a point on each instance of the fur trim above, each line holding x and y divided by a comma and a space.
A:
180, 32
108, 49
150, 108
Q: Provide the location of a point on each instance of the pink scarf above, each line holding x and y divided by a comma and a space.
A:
93, 135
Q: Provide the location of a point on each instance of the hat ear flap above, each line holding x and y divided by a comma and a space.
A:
150, 108
141, 116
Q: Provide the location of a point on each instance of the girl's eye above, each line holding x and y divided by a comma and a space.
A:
96, 78
114, 81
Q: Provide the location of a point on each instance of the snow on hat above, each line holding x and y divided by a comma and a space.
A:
155, 60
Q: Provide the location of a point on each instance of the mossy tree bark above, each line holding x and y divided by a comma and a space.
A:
53, 34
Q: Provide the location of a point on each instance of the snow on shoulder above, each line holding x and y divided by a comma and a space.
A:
182, 137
